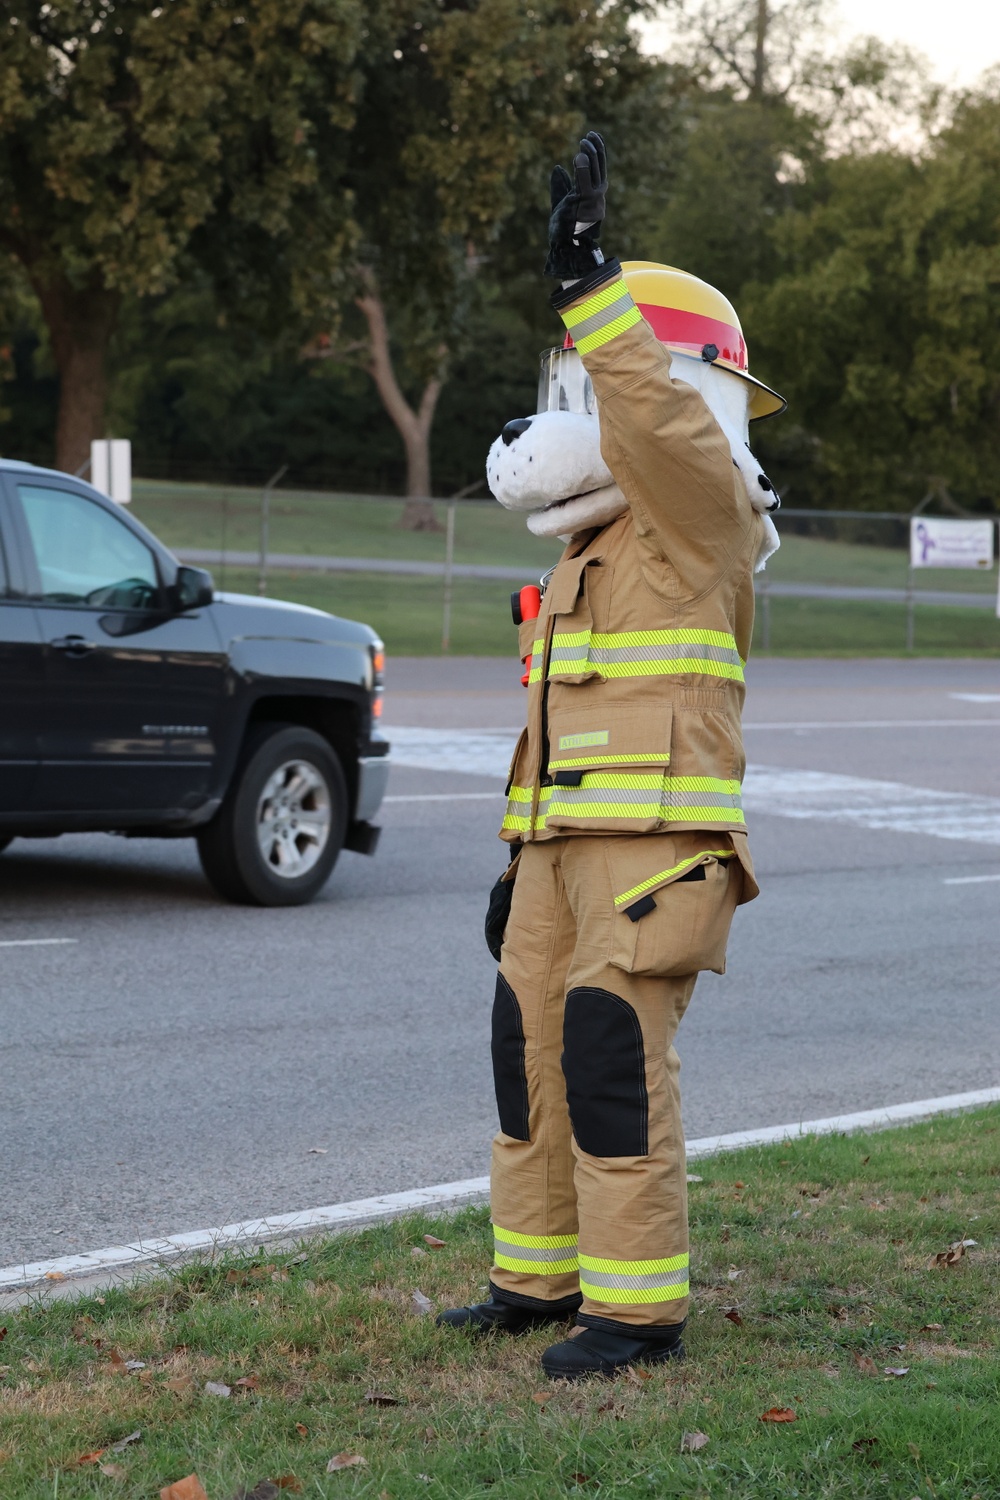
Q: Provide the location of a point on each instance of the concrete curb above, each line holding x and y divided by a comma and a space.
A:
78, 1274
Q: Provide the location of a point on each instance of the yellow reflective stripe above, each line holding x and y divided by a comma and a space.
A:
604, 297
632, 1296
610, 330
515, 822
662, 757
537, 646
634, 1267
534, 1267
646, 885
676, 667
536, 1241
689, 636
535, 675
569, 638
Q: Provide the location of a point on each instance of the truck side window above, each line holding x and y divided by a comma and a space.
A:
85, 556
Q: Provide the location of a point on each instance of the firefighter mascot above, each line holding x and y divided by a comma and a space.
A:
624, 813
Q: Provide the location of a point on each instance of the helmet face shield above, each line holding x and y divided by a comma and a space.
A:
564, 385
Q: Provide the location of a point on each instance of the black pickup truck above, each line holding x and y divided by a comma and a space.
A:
134, 699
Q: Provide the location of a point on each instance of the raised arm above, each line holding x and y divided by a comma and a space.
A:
661, 442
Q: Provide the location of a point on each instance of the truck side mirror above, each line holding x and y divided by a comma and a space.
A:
193, 589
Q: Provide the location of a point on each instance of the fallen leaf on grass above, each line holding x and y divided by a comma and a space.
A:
126, 1442
135, 1364
542, 1398
897, 1370
732, 1274
953, 1254
580, 1478
779, 1414
302, 1429
217, 1388
734, 1317
421, 1304
862, 1445
116, 1359
114, 1471
932, 1328
434, 1242
54, 1276
3, 1334
380, 1398
692, 1442
417, 1252
181, 1385
190, 1488
288, 1482
346, 1461
864, 1365
636, 1375
247, 1382
693, 1177
93, 1457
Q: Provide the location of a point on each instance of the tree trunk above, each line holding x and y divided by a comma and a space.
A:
80, 322
413, 426
760, 52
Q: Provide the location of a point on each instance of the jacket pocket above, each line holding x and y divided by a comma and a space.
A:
608, 765
673, 920
572, 597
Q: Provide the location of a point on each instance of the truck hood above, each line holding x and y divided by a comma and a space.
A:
250, 614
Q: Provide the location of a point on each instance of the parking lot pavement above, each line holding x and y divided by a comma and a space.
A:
170, 1062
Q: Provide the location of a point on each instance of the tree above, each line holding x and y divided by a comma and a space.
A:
484, 96
138, 139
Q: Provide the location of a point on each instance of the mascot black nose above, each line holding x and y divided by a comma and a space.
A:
514, 429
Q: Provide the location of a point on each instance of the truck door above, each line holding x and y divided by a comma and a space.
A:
133, 693
21, 672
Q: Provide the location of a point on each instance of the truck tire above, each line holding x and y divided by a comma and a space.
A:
276, 837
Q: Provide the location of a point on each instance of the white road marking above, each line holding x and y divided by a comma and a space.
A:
477, 752
445, 797
770, 791
888, 806
36, 942
876, 724
969, 879
117, 1259
976, 697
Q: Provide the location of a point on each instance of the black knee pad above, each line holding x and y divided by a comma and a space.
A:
604, 1062
510, 1078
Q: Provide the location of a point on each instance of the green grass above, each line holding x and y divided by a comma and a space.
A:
407, 613
190, 515
824, 1250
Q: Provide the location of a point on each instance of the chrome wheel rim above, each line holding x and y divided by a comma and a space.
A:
293, 819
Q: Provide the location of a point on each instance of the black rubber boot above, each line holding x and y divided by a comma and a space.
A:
503, 1314
599, 1351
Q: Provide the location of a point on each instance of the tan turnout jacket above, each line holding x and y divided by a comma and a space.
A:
636, 683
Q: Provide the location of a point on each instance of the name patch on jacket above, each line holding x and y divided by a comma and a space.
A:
579, 741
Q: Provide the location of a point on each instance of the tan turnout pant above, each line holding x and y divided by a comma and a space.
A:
603, 945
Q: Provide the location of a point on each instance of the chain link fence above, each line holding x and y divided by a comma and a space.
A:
841, 583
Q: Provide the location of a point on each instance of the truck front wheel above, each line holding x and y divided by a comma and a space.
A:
276, 837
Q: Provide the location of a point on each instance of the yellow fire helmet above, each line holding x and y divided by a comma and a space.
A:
692, 318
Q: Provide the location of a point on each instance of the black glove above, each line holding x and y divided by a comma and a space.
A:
575, 253
497, 915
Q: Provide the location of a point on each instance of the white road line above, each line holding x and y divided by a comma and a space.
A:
969, 879
976, 697
444, 1196
446, 797
36, 942
875, 724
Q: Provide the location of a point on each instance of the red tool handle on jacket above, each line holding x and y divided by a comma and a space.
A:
525, 605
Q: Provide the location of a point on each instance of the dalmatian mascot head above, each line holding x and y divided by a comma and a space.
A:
550, 465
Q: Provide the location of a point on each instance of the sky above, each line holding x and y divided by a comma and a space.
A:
959, 37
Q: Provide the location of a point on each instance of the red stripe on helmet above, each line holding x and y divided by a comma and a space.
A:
692, 331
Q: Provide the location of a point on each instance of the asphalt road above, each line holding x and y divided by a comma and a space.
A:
172, 1063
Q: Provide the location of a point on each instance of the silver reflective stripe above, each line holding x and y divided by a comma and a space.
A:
532, 1252
699, 651
652, 1281
597, 320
